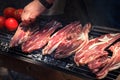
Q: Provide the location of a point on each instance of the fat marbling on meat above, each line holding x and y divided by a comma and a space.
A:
20, 36
41, 37
74, 40
58, 37
95, 48
112, 63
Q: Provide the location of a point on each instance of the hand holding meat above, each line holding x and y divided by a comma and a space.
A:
31, 11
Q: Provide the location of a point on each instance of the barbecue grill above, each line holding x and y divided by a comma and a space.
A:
15, 59
29, 63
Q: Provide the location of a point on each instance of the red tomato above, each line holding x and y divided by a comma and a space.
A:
2, 22
9, 12
11, 24
17, 14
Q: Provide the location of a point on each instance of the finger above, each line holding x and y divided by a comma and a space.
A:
25, 23
22, 15
32, 20
25, 16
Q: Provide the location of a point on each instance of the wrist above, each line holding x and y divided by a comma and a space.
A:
47, 3
50, 1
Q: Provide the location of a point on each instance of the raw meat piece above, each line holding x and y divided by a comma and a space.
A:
58, 37
20, 36
74, 41
97, 64
113, 63
95, 48
23, 33
41, 37
115, 59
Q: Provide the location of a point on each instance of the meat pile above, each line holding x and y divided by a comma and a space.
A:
72, 39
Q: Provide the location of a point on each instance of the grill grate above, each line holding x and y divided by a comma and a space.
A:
66, 65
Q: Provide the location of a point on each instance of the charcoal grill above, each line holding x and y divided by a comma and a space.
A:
28, 62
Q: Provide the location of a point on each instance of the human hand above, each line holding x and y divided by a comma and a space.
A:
31, 11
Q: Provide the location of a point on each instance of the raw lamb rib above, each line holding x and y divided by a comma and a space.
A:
112, 63
23, 33
95, 48
41, 37
20, 36
74, 41
58, 37
97, 64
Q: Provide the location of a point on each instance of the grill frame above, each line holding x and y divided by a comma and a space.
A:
36, 60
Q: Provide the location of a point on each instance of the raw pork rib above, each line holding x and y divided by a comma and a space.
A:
74, 41
95, 48
41, 37
20, 36
113, 62
58, 37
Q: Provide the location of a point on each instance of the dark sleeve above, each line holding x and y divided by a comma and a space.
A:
46, 4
